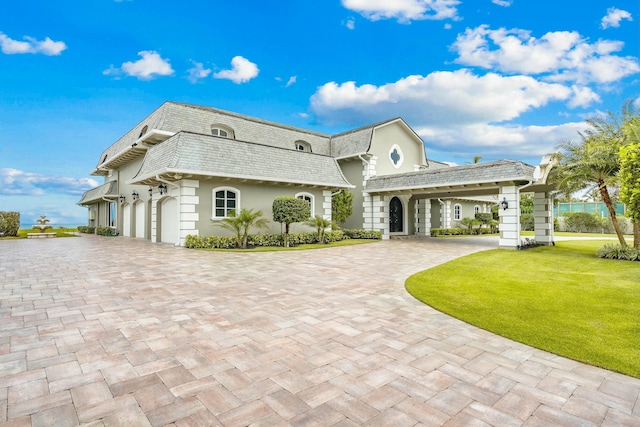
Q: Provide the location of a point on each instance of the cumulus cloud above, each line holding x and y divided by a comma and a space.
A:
559, 56
31, 45
404, 10
443, 97
197, 72
613, 17
14, 182
148, 67
497, 142
242, 70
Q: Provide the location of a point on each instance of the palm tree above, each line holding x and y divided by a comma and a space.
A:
320, 224
241, 223
593, 162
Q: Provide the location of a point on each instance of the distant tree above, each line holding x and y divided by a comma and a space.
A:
287, 210
341, 206
241, 223
526, 204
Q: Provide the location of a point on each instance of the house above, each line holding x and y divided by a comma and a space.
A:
186, 166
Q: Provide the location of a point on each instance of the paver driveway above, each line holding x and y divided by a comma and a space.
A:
116, 331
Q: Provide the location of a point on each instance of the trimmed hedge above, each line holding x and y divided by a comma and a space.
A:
86, 229
277, 239
9, 224
106, 231
435, 232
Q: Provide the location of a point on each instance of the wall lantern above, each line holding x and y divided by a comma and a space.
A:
150, 192
163, 189
135, 195
122, 198
504, 203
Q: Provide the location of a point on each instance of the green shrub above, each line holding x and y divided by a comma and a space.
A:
106, 231
9, 223
86, 229
363, 234
616, 251
527, 222
584, 222
456, 231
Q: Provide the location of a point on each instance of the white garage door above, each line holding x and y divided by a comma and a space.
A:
140, 219
170, 227
126, 220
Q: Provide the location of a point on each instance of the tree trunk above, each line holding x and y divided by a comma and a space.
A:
286, 235
612, 213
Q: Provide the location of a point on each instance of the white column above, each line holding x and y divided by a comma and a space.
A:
543, 218
422, 217
188, 201
326, 205
154, 217
509, 218
445, 214
376, 214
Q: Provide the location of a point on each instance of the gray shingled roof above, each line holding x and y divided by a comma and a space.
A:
203, 155
490, 172
108, 190
175, 117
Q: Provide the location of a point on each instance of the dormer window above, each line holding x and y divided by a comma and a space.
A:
221, 131
303, 146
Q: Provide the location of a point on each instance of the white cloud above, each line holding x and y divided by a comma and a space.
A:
404, 10
583, 97
558, 56
497, 142
350, 24
613, 17
31, 45
150, 66
242, 71
292, 80
14, 182
503, 3
445, 98
197, 72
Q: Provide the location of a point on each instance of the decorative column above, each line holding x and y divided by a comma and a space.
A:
445, 214
543, 218
422, 217
188, 201
376, 214
509, 218
154, 218
326, 205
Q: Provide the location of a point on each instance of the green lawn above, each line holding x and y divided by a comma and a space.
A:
561, 299
60, 232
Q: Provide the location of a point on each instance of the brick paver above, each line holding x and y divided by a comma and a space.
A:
116, 331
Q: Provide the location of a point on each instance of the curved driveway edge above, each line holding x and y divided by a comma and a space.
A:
117, 331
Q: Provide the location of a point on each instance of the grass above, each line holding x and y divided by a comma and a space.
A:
60, 232
346, 242
560, 299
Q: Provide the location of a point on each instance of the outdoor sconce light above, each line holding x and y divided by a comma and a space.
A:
135, 195
504, 203
163, 189
122, 198
150, 192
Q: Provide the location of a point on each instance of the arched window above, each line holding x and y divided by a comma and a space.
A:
457, 212
221, 131
303, 146
226, 202
476, 209
309, 198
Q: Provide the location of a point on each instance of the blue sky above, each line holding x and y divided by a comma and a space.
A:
501, 79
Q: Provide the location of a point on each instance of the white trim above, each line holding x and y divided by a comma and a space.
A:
395, 148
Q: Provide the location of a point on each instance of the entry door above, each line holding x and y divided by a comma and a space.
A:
395, 216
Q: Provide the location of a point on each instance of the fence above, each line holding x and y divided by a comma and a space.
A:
590, 207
